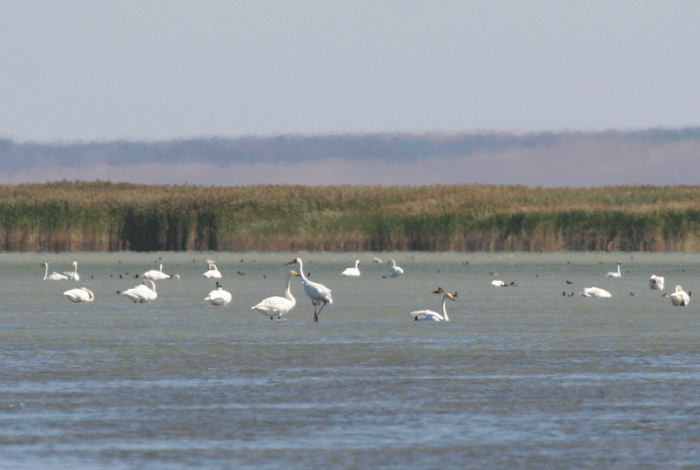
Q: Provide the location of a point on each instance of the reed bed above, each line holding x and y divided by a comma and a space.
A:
103, 216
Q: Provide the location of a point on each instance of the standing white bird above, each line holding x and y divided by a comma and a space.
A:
54, 276
680, 298
429, 315
656, 282
615, 273
156, 275
144, 292
74, 276
82, 294
352, 272
595, 292
213, 272
318, 293
277, 306
219, 296
395, 271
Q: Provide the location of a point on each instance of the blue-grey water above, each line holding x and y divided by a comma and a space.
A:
520, 377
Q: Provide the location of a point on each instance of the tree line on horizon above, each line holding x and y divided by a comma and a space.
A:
297, 148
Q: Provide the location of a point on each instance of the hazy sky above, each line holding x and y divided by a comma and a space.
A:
160, 70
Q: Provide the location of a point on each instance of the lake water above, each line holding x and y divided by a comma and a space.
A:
521, 376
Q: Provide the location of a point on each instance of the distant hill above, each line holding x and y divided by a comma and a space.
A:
656, 156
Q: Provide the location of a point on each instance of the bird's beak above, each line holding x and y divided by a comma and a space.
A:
291, 262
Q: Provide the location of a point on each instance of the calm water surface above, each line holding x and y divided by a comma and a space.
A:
521, 376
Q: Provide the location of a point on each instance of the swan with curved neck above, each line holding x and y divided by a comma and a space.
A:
142, 293
429, 315
277, 306
395, 271
617, 273
54, 276
82, 294
352, 272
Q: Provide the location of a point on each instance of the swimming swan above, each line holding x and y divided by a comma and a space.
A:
395, 271
429, 315
219, 296
156, 275
656, 282
615, 273
142, 293
74, 276
82, 294
213, 272
352, 272
54, 276
680, 298
595, 292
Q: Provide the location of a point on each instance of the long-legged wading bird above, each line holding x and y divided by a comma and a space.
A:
82, 294
277, 306
318, 293
219, 296
144, 292
429, 315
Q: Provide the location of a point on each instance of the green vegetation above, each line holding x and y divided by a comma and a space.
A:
101, 216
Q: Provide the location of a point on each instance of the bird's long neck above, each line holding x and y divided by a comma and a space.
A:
618, 270
46, 275
301, 272
288, 292
444, 308
90, 294
357, 263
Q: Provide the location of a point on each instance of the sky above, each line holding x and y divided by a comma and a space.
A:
162, 70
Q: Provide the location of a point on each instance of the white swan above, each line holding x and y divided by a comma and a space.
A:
615, 273
680, 297
278, 306
497, 283
595, 292
395, 271
156, 275
219, 296
318, 293
74, 276
352, 272
142, 293
80, 295
656, 282
213, 272
429, 315
54, 276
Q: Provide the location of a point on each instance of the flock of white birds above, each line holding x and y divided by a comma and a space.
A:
272, 307
320, 295
679, 297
